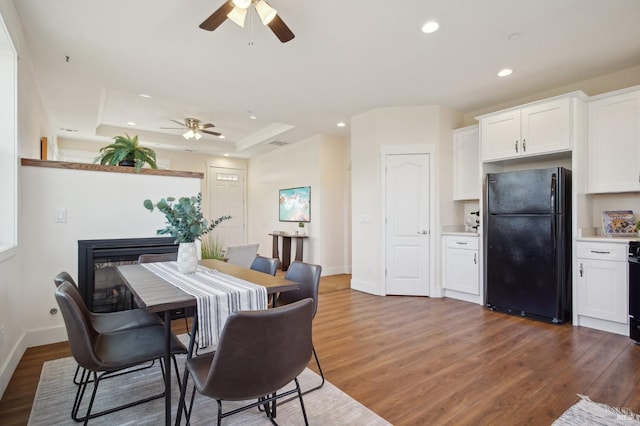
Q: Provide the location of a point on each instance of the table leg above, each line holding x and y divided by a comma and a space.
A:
185, 375
167, 367
274, 248
286, 252
299, 242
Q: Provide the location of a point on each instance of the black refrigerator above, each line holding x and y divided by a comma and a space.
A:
528, 243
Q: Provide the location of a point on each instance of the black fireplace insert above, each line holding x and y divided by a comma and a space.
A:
98, 281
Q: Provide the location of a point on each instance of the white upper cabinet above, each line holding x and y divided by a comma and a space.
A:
466, 163
539, 128
614, 142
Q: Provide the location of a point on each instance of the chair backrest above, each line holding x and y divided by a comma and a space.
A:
241, 254
79, 330
307, 276
155, 257
64, 276
259, 352
268, 265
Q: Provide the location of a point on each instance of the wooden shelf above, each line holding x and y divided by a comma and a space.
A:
111, 169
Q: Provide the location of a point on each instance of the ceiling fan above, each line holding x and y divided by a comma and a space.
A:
194, 128
236, 11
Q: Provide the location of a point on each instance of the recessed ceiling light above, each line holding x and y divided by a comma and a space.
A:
131, 123
505, 72
225, 155
221, 137
253, 117
142, 95
341, 124
430, 27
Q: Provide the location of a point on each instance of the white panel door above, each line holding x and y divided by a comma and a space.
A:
226, 197
407, 224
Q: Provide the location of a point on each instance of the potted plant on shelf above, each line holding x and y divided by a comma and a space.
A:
126, 151
186, 223
301, 230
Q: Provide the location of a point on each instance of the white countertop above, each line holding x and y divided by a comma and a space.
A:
460, 233
613, 240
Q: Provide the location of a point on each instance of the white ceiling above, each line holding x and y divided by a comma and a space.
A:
349, 56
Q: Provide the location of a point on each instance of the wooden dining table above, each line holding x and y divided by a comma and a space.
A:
157, 295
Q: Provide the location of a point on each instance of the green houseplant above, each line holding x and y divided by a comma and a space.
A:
126, 151
187, 224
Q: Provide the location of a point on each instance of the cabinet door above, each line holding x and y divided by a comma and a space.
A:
546, 127
466, 164
614, 144
461, 270
602, 290
500, 135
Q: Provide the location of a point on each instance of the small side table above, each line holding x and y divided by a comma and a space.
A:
286, 248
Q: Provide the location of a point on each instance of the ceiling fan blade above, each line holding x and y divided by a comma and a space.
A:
207, 126
280, 29
172, 128
211, 133
178, 122
217, 17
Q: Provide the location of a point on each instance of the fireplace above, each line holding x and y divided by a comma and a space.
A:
99, 282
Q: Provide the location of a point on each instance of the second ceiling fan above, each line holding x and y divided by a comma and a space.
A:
236, 11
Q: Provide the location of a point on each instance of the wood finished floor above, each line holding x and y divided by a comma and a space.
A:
416, 360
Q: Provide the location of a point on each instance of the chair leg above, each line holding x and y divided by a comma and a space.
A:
85, 379
315, 355
304, 412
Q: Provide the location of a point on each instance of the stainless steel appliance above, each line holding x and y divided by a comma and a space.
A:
634, 290
528, 243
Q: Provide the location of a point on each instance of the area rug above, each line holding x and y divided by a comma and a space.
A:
55, 394
588, 413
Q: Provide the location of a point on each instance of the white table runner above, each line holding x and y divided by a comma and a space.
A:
217, 295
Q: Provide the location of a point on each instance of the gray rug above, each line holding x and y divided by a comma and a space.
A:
55, 394
588, 413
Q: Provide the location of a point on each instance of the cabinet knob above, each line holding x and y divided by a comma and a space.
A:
524, 145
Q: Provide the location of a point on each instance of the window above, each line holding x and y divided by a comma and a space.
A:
8, 144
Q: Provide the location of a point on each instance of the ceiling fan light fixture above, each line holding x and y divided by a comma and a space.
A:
238, 15
189, 134
197, 135
241, 4
266, 12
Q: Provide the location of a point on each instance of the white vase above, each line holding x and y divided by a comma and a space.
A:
187, 258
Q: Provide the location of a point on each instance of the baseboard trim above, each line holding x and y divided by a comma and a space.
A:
28, 340
11, 363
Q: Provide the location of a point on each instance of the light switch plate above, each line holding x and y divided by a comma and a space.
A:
61, 215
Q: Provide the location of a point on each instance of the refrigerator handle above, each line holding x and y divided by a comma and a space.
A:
554, 180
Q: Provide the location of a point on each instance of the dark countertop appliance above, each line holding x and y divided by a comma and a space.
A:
528, 243
634, 290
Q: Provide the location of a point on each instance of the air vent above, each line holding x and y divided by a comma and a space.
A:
277, 143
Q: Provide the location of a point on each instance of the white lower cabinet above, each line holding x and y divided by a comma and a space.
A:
601, 286
460, 270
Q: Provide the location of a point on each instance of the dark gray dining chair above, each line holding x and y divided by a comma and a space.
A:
259, 352
111, 321
307, 276
268, 265
101, 354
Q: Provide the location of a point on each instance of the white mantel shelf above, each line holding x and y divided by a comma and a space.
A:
111, 169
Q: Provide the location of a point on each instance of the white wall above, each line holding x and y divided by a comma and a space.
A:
32, 124
431, 125
322, 163
98, 205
